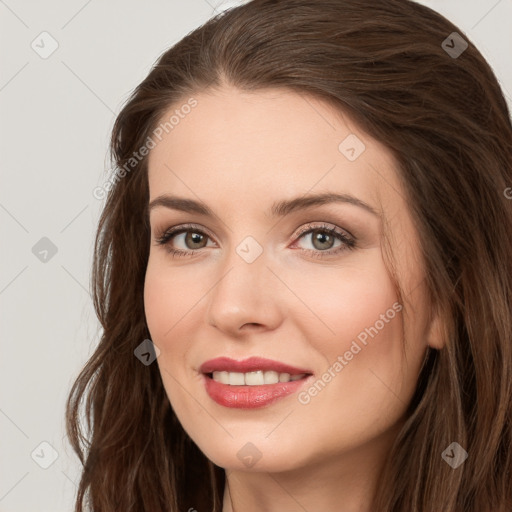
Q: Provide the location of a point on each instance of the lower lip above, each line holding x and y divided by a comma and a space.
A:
250, 397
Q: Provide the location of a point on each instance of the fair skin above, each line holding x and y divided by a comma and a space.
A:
238, 153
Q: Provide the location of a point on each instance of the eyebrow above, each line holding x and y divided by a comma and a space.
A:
278, 209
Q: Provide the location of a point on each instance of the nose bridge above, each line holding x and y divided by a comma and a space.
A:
244, 270
245, 290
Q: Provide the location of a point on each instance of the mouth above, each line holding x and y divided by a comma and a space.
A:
254, 378
252, 383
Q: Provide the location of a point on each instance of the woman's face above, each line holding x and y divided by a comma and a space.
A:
267, 280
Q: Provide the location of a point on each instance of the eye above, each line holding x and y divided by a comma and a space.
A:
323, 238
194, 237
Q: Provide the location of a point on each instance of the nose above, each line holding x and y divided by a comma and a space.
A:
246, 297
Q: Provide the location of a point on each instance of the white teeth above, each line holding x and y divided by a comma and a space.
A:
253, 378
236, 379
271, 377
222, 377
256, 378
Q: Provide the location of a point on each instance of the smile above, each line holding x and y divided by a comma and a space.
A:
256, 378
251, 383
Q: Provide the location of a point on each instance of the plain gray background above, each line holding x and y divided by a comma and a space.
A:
56, 114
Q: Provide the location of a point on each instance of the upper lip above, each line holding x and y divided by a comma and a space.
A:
249, 365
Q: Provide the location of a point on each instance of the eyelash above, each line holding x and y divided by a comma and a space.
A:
347, 242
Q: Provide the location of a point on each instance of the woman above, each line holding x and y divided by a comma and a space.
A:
303, 272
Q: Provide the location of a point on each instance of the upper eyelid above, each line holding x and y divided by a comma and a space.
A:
180, 228
324, 225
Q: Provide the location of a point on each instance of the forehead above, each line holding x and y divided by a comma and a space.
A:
244, 148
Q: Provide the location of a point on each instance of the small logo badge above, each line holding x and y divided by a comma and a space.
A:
454, 45
454, 455
44, 45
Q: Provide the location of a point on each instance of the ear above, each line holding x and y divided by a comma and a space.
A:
435, 333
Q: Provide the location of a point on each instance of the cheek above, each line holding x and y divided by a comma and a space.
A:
169, 295
345, 300
159, 302
361, 341
167, 303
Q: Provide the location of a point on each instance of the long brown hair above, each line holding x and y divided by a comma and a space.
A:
390, 64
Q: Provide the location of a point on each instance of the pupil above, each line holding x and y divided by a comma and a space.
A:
322, 237
196, 237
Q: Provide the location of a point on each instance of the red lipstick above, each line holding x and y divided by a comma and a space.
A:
246, 396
